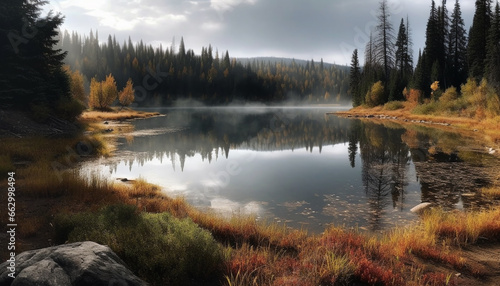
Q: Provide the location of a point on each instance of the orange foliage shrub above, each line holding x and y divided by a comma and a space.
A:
414, 96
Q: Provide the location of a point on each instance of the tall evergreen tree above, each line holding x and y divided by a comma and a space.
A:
478, 37
457, 48
384, 40
443, 31
401, 75
403, 57
434, 42
421, 76
492, 71
31, 71
432, 35
355, 80
410, 44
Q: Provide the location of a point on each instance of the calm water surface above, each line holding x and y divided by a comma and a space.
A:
300, 166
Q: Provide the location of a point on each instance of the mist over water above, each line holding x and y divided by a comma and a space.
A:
293, 164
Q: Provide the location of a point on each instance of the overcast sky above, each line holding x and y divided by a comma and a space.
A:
315, 29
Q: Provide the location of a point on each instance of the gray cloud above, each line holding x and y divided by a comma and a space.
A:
328, 29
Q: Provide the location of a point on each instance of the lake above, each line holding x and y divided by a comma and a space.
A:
300, 166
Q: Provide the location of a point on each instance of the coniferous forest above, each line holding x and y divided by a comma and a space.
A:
34, 50
164, 75
451, 59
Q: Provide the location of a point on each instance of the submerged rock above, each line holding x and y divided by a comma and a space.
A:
81, 263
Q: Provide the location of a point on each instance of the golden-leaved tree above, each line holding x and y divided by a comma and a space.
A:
76, 85
126, 96
95, 93
102, 94
375, 95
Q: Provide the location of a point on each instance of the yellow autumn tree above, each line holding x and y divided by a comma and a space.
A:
95, 93
76, 85
375, 96
102, 94
109, 91
126, 96
435, 88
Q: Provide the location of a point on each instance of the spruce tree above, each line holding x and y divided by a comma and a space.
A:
355, 80
478, 37
421, 75
457, 48
443, 31
432, 35
400, 77
31, 69
492, 70
401, 48
435, 34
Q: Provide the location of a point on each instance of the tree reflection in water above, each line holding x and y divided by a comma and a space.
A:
385, 170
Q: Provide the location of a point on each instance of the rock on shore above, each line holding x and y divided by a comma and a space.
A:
79, 264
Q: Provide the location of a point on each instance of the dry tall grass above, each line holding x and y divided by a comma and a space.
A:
115, 114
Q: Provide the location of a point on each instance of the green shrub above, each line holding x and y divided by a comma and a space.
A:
426, 108
394, 105
159, 248
449, 95
468, 88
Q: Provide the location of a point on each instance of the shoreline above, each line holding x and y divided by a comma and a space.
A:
259, 236
487, 131
115, 115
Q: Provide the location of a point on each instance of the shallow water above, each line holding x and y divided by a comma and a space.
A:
300, 166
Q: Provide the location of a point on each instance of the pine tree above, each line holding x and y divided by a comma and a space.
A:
478, 37
403, 56
420, 76
432, 39
355, 80
443, 32
457, 48
384, 40
31, 70
492, 71
410, 45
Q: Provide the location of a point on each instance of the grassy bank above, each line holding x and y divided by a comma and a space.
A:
475, 111
115, 114
150, 230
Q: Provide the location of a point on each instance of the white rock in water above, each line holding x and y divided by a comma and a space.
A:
420, 207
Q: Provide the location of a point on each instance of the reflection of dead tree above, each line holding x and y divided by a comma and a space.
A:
378, 189
378, 185
385, 165
400, 181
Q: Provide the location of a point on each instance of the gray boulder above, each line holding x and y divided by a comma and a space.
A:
77, 264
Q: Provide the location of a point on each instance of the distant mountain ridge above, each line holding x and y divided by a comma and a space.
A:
287, 61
